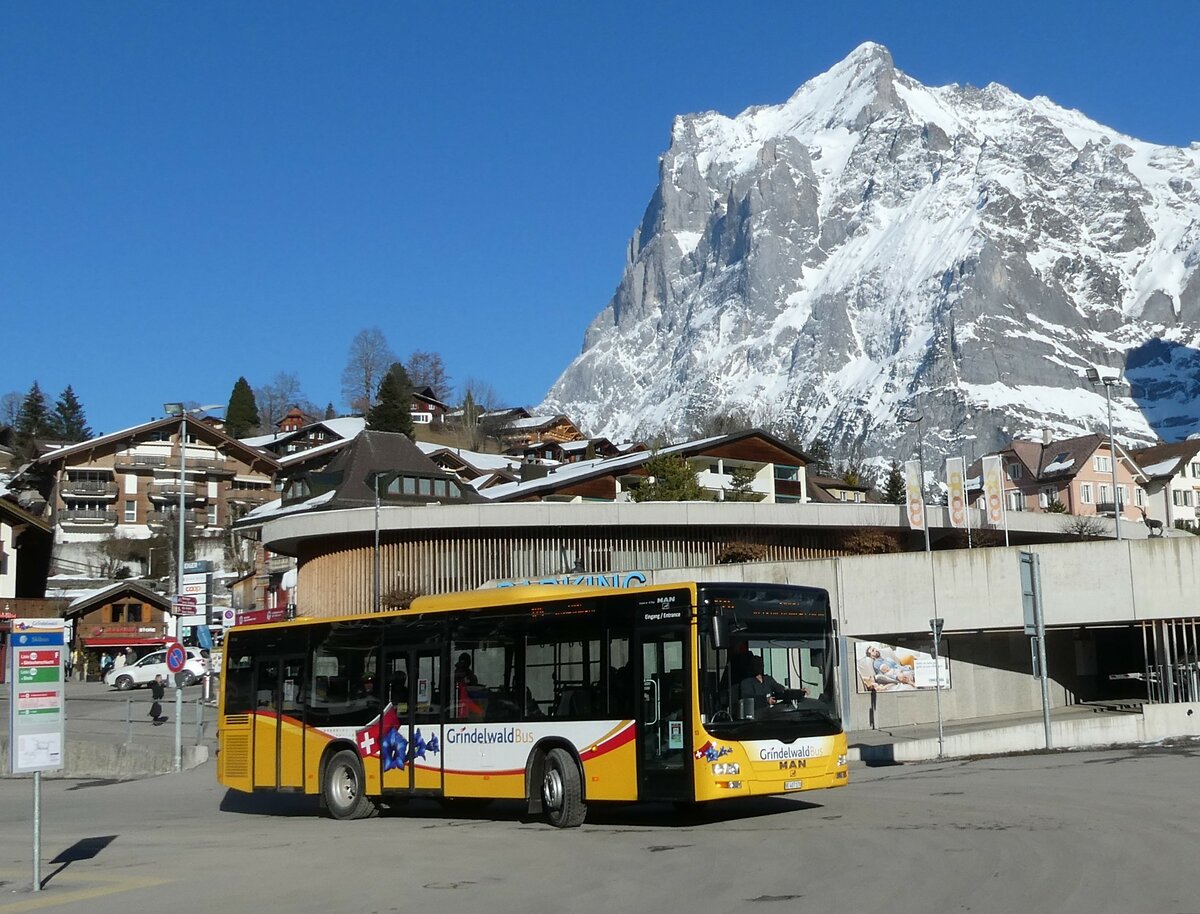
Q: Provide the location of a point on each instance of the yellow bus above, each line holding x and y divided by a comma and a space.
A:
554, 695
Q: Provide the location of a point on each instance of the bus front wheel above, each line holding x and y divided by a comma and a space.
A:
344, 788
562, 790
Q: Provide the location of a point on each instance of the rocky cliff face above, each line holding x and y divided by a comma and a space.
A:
874, 249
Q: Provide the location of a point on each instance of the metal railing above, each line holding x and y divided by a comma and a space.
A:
88, 487
141, 460
164, 518
87, 516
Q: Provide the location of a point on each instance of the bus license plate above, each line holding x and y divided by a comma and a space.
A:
792, 785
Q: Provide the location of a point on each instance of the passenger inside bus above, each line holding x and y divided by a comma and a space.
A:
467, 690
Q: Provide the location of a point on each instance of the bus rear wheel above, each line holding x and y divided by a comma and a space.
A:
344, 788
562, 790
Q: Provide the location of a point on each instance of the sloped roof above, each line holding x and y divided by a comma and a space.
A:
353, 469
249, 454
101, 596
1163, 460
567, 474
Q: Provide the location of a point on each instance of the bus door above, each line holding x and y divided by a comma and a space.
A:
412, 760
664, 724
279, 732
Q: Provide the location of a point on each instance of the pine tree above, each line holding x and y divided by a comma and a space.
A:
392, 411
330, 412
241, 415
33, 421
893, 485
669, 478
68, 422
741, 482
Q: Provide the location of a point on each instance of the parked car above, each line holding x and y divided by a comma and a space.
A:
143, 672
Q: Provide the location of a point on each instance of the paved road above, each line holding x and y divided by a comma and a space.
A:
1088, 832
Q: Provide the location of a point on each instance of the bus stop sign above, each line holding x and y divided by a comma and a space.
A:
176, 656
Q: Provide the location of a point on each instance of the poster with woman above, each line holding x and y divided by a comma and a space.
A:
885, 667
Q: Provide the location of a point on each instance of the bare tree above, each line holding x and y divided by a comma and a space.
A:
276, 397
476, 399
369, 360
425, 369
1084, 526
10, 408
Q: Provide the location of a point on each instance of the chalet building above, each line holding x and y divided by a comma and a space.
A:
517, 434
778, 472
1172, 483
294, 420
478, 470
575, 451
426, 408
124, 615
128, 485
25, 547
1076, 473
829, 490
309, 436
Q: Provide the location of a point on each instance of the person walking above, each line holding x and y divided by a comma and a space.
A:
158, 691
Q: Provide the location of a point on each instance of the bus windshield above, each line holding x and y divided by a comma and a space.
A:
773, 677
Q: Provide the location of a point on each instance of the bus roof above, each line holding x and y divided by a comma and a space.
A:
525, 593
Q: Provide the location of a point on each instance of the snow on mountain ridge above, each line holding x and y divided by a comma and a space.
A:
872, 246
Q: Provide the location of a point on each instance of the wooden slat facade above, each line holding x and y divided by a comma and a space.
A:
339, 580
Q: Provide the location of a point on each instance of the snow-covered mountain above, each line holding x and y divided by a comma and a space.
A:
874, 248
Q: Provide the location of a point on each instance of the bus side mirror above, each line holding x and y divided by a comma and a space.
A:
720, 633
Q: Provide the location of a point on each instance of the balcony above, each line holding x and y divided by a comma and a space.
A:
159, 519
141, 461
192, 491
92, 517
88, 488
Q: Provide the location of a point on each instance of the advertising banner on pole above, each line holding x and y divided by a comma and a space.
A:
957, 488
37, 700
913, 494
993, 489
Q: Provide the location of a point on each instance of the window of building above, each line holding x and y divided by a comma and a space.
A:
409, 486
1182, 498
1014, 471
789, 474
131, 512
424, 486
133, 612
1102, 464
1048, 496
1139, 497
212, 515
1085, 493
1105, 494
1195, 469
1016, 501
1122, 498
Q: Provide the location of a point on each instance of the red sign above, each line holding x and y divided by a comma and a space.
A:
176, 656
38, 658
186, 601
259, 616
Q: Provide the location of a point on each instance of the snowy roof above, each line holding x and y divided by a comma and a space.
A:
477, 459
1163, 468
299, 456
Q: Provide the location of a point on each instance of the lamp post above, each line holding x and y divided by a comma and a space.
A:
917, 420
378, 479
178, 409
1109, 380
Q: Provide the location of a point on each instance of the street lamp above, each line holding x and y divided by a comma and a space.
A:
1109, 378
917, 420
178, 409
378, 480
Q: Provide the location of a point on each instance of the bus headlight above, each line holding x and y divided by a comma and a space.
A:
727, 768
841, 763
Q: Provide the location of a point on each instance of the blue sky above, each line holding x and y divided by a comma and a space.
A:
193, 192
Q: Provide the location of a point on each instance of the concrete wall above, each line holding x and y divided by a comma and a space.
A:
978, 594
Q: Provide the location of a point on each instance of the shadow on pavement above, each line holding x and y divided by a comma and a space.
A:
270, 804
83, 849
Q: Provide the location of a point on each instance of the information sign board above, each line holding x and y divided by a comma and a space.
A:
37, 699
